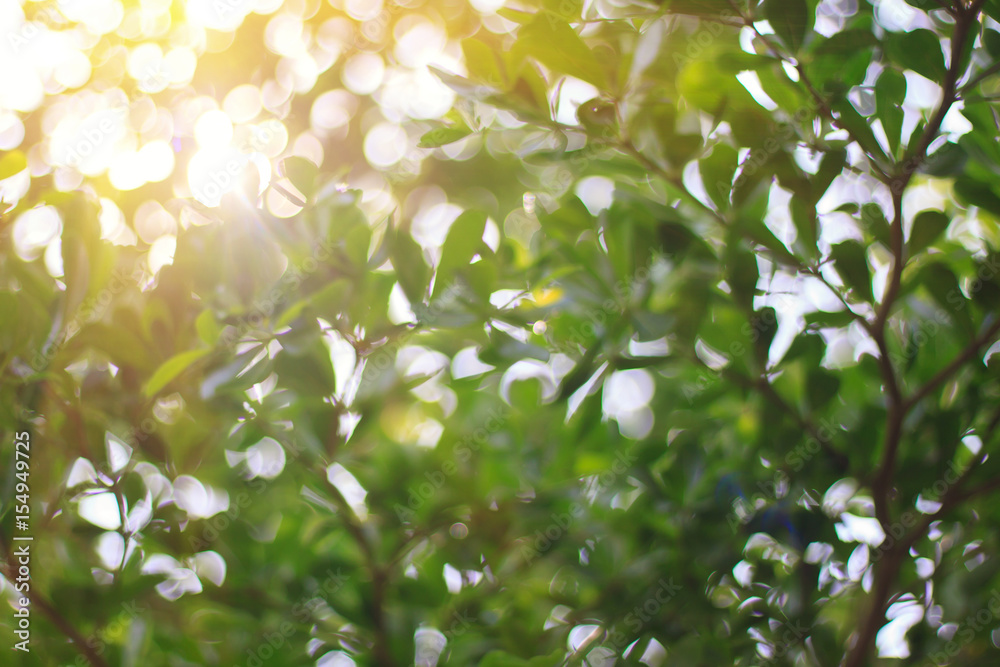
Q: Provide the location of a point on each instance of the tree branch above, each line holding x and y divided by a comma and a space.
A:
895, 413
941, 376
887, 571
979, 78
378, 574
38, 600
963, 23
761, 385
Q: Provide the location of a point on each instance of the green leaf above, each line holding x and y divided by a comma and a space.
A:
977, 194
784, 92
835, 320
331, 301
482, 63
843, 59
873, 221
849, 119
516, 15
845, 43
810, 346
10, 332
88, 261
557, 46
852, 265
567, 221
170, 369
568, 10
991, 40
821, 387
918, 50
309, 372
411, 269
206, 326
830, 167
302, 173
598, 117
464, 240
790, 19
690, 309
943, 285
12, 163
717, 172
890, 91
927, 227
947, 161
501, 659
465, 87
441, 136
742, 273
806, 224
701, 7
701, 83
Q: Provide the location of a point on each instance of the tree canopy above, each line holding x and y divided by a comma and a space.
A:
528, 333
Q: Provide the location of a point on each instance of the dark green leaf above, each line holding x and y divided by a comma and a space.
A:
717, 171
852, 265
979, 194
927, 227
464, 240
849, 119
918, 50
890, 91
790, 19
821, 388
407, 257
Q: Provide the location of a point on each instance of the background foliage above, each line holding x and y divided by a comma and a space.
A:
604, 333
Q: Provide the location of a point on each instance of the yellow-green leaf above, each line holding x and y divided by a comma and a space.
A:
170, 369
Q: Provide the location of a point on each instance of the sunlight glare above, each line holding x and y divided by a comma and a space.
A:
213, 129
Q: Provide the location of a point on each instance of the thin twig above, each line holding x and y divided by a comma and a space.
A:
65, 627
957, 363
979, 78
887, 570
378, 574
882, 481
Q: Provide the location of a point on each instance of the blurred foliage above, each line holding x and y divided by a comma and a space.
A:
604, 332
